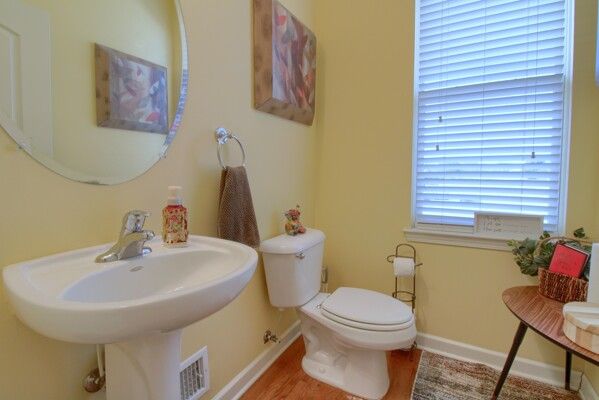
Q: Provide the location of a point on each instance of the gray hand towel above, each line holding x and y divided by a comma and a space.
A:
236, 216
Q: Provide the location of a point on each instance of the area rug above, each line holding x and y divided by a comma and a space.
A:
443, 378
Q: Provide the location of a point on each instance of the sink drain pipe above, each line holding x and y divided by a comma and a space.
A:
96, 379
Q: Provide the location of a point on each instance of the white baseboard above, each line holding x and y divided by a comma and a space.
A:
521, 367
587, 392
250, 374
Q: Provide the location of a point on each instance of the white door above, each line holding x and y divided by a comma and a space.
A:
26, 76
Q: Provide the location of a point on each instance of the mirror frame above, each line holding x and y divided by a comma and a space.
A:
183, 87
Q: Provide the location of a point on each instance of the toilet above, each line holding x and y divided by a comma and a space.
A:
346, 333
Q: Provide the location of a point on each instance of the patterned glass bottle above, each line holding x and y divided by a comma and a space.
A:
174, 219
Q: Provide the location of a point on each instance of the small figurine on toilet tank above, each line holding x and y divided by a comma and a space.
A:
293, 225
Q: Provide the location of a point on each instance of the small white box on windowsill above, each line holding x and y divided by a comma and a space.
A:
508, 226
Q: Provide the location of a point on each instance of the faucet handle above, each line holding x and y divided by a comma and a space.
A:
134, 221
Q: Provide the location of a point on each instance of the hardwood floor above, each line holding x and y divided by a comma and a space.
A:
285, 379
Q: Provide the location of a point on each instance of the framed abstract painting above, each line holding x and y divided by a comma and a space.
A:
284, 63
131, 93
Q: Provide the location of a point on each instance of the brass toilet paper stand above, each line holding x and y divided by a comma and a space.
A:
405, 295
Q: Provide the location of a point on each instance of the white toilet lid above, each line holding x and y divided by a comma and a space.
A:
366, 309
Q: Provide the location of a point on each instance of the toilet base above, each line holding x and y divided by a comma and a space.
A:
361, 372
364, 375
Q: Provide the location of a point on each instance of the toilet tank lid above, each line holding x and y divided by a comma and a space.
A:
286, 244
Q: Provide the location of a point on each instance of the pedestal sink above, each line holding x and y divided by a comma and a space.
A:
136, 306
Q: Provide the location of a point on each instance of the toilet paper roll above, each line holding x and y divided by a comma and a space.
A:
404, 266
593, 292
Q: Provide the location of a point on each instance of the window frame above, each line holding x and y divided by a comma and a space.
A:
463, 236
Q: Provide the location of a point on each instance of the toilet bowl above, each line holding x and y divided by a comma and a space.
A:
346, 333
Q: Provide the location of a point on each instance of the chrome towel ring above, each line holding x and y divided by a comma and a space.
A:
222, 136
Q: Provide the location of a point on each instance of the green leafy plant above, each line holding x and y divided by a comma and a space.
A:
530, 262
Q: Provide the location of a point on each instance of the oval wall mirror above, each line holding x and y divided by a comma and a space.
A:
93, 90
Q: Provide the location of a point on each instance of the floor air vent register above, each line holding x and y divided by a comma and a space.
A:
195, 378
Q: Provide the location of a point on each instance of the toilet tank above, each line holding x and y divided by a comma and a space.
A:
293, 267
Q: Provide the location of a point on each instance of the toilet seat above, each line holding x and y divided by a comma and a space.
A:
367, 310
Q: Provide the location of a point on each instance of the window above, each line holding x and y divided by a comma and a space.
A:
491, 110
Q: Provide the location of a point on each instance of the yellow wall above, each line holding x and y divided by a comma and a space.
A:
592, 374
584, 162
364, 174
43, 213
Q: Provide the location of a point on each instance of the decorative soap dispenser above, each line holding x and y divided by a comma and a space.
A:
174, 219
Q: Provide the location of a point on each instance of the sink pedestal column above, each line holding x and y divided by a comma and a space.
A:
146, 368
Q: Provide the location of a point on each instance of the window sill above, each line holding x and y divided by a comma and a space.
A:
459, 239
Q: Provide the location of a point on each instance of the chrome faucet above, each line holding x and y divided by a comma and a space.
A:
131, 239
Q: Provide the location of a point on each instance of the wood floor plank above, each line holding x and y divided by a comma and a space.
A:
403, 366
285, 379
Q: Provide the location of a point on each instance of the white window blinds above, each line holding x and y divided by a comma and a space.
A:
490, 84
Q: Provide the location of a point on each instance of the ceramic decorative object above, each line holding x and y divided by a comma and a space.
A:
293, 225
174, 231
174, 219
581, 324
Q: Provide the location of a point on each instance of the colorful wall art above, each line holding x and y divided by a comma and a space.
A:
284, 63
131, 93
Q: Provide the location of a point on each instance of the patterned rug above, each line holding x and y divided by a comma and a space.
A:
442, 378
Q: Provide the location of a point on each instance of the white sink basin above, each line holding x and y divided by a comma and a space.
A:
136, 306
70, 297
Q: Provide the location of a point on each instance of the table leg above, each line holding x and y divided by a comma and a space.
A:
568, 369
510, 358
